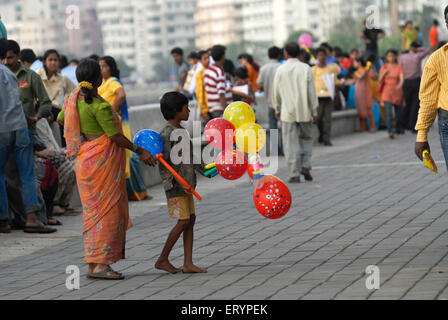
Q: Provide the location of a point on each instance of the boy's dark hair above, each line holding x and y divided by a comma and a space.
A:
3, 48
201, 53
435, 22
242, 73
229, 67
178, 51
274, 52
172, 103
27, 55
88, 70
13, 46
293, 49
446, 11
193, 55
218, 51
321, 49
361, 61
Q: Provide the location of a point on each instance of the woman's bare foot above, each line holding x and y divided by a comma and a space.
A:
91, 267
166, 266
192, 269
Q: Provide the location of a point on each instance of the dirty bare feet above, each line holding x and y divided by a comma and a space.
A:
165, 265
192, 269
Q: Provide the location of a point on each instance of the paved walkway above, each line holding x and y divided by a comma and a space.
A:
371, 203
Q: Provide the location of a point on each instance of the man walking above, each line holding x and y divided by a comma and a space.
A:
411, 63
325, 81
434, 100
182, 71
295, 102
265, 81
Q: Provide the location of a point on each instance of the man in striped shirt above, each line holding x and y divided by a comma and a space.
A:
218, 92
434, 100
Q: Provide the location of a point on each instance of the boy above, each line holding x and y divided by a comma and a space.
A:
174, 107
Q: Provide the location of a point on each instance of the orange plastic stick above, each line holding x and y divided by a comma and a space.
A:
181, 180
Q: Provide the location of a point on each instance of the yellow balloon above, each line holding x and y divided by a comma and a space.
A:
250, 138
239, 113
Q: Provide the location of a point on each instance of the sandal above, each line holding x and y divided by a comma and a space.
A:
39, 229
104, 276
56, 223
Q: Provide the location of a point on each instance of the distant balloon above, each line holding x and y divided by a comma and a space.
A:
306, 40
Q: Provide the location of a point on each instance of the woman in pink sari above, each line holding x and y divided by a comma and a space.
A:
93, 133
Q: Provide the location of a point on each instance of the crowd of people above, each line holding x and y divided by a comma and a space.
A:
37, 178
67, 123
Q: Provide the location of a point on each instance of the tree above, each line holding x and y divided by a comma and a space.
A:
389, 42
163, 67
346, 34
423, 19
295, 35
125, 70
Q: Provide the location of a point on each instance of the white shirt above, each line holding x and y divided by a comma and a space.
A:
293, 92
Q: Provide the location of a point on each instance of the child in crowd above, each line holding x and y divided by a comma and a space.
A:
246, 91
174, 107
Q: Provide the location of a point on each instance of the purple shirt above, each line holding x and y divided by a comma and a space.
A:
411, 63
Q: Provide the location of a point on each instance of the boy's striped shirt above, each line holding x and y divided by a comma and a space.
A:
215, 84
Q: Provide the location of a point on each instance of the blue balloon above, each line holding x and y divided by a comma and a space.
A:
150, 141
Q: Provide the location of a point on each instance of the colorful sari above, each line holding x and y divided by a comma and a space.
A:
100, 173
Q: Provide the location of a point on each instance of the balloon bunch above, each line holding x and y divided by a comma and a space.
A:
237, 134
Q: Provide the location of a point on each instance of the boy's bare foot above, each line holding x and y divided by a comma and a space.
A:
166, 266
193, 269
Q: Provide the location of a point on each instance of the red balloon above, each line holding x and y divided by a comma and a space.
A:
231, 164
273, 199
218, 132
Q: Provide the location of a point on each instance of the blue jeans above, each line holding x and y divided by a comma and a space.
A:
20, 144
443, 132
389, 117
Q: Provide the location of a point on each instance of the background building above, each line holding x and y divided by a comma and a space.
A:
142, 32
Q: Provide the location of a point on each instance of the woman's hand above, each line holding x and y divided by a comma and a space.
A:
146, 157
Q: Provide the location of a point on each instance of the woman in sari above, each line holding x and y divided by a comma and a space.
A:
93, 133
112, 91
363, 94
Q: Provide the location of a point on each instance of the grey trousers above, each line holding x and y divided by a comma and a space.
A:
297, 146
14, 190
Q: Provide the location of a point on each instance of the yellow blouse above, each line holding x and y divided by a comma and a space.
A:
108, 90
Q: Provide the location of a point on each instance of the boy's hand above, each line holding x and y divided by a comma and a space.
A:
186, 190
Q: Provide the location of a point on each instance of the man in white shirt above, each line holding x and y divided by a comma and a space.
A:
295, 103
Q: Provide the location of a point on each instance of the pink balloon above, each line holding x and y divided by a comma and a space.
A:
306, 40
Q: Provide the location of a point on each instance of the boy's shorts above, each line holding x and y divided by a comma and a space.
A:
181, 208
